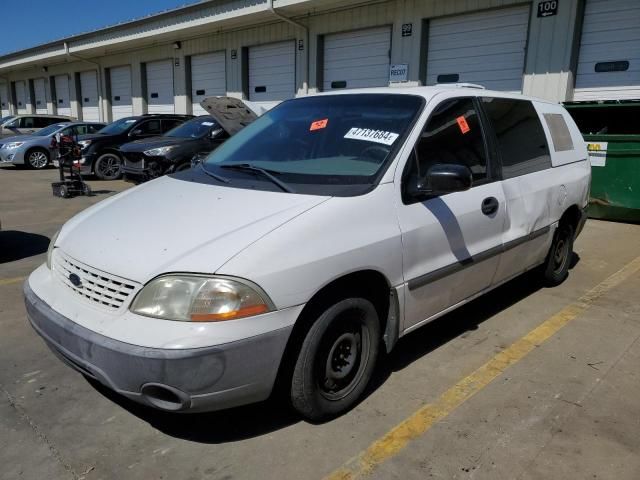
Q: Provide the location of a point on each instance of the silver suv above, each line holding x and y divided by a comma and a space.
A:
27, 124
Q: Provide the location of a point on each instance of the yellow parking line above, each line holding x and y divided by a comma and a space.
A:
422, 420
9, 281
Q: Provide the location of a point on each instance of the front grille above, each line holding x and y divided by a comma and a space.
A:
96, 287
133, 157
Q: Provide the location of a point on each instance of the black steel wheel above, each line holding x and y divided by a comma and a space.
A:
108, 166
556, 266
336, 360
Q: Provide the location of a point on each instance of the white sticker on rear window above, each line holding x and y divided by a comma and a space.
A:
208, 124
369, 135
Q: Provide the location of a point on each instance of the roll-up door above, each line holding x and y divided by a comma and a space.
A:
21, 96
89, 96
208, 78
160, 87
609, 58
4, 100
121, 105
62, 95
272, 71
487, 48
357, 59
41, 95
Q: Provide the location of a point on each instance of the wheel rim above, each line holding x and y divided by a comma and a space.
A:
108, 166
38, 159
561, 253
343, 356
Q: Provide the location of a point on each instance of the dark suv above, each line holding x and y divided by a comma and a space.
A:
100, 154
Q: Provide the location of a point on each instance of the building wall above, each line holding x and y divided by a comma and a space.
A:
548, 69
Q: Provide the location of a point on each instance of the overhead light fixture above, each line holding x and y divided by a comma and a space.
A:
177, 45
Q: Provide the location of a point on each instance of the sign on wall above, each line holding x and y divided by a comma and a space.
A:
398, 72
547, 8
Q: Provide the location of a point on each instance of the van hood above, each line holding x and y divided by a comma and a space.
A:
175, 225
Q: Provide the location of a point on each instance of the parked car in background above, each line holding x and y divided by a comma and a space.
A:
100, 151
172, 152
35, 150
27, 124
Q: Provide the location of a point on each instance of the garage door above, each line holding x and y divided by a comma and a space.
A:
160, 87
4, 100
208, 78
41, 95
272, 71
121, 105
21, 97
357, 59
487, 48
89, 96
609, 58
62, 95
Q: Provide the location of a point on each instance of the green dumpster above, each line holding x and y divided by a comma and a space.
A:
611, 130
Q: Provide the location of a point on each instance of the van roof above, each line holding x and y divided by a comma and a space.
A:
429, 92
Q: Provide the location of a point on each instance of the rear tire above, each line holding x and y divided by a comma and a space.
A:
556, 267
336, 360
108, 166
36, 159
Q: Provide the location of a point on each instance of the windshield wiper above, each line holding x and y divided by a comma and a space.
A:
213, 175
247, 167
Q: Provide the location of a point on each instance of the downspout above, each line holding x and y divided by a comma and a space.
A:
273, 11
100, 91
7, 82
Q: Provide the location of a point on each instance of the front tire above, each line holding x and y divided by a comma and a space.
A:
108, 166
336, 360
36, 159
556, 267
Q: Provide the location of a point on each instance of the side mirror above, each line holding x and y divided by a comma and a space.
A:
443, 178
215, 133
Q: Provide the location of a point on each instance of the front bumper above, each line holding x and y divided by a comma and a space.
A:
13, 155
138, 167
197, 379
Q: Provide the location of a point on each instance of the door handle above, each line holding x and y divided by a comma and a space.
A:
490, 205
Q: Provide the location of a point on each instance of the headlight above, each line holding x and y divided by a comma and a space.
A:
84, 143
193, 298
12, 145
51, 247
160, 151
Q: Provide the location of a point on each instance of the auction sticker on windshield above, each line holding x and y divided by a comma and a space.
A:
369, 135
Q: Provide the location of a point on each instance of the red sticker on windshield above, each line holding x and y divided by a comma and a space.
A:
462, 123
319, 124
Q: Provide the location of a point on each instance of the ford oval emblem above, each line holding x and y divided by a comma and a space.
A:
75, 280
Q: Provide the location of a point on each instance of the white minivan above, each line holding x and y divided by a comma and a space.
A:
316, 236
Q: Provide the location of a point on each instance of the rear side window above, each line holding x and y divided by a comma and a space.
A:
452, 135
41, 122
560, 134
521, 141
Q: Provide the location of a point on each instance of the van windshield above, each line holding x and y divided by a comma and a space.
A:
334, 144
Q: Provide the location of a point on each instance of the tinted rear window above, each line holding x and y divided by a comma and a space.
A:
522, 144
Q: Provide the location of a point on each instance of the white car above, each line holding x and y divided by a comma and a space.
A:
319, 234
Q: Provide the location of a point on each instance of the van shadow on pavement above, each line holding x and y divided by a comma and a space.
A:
16, 245
262, 418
